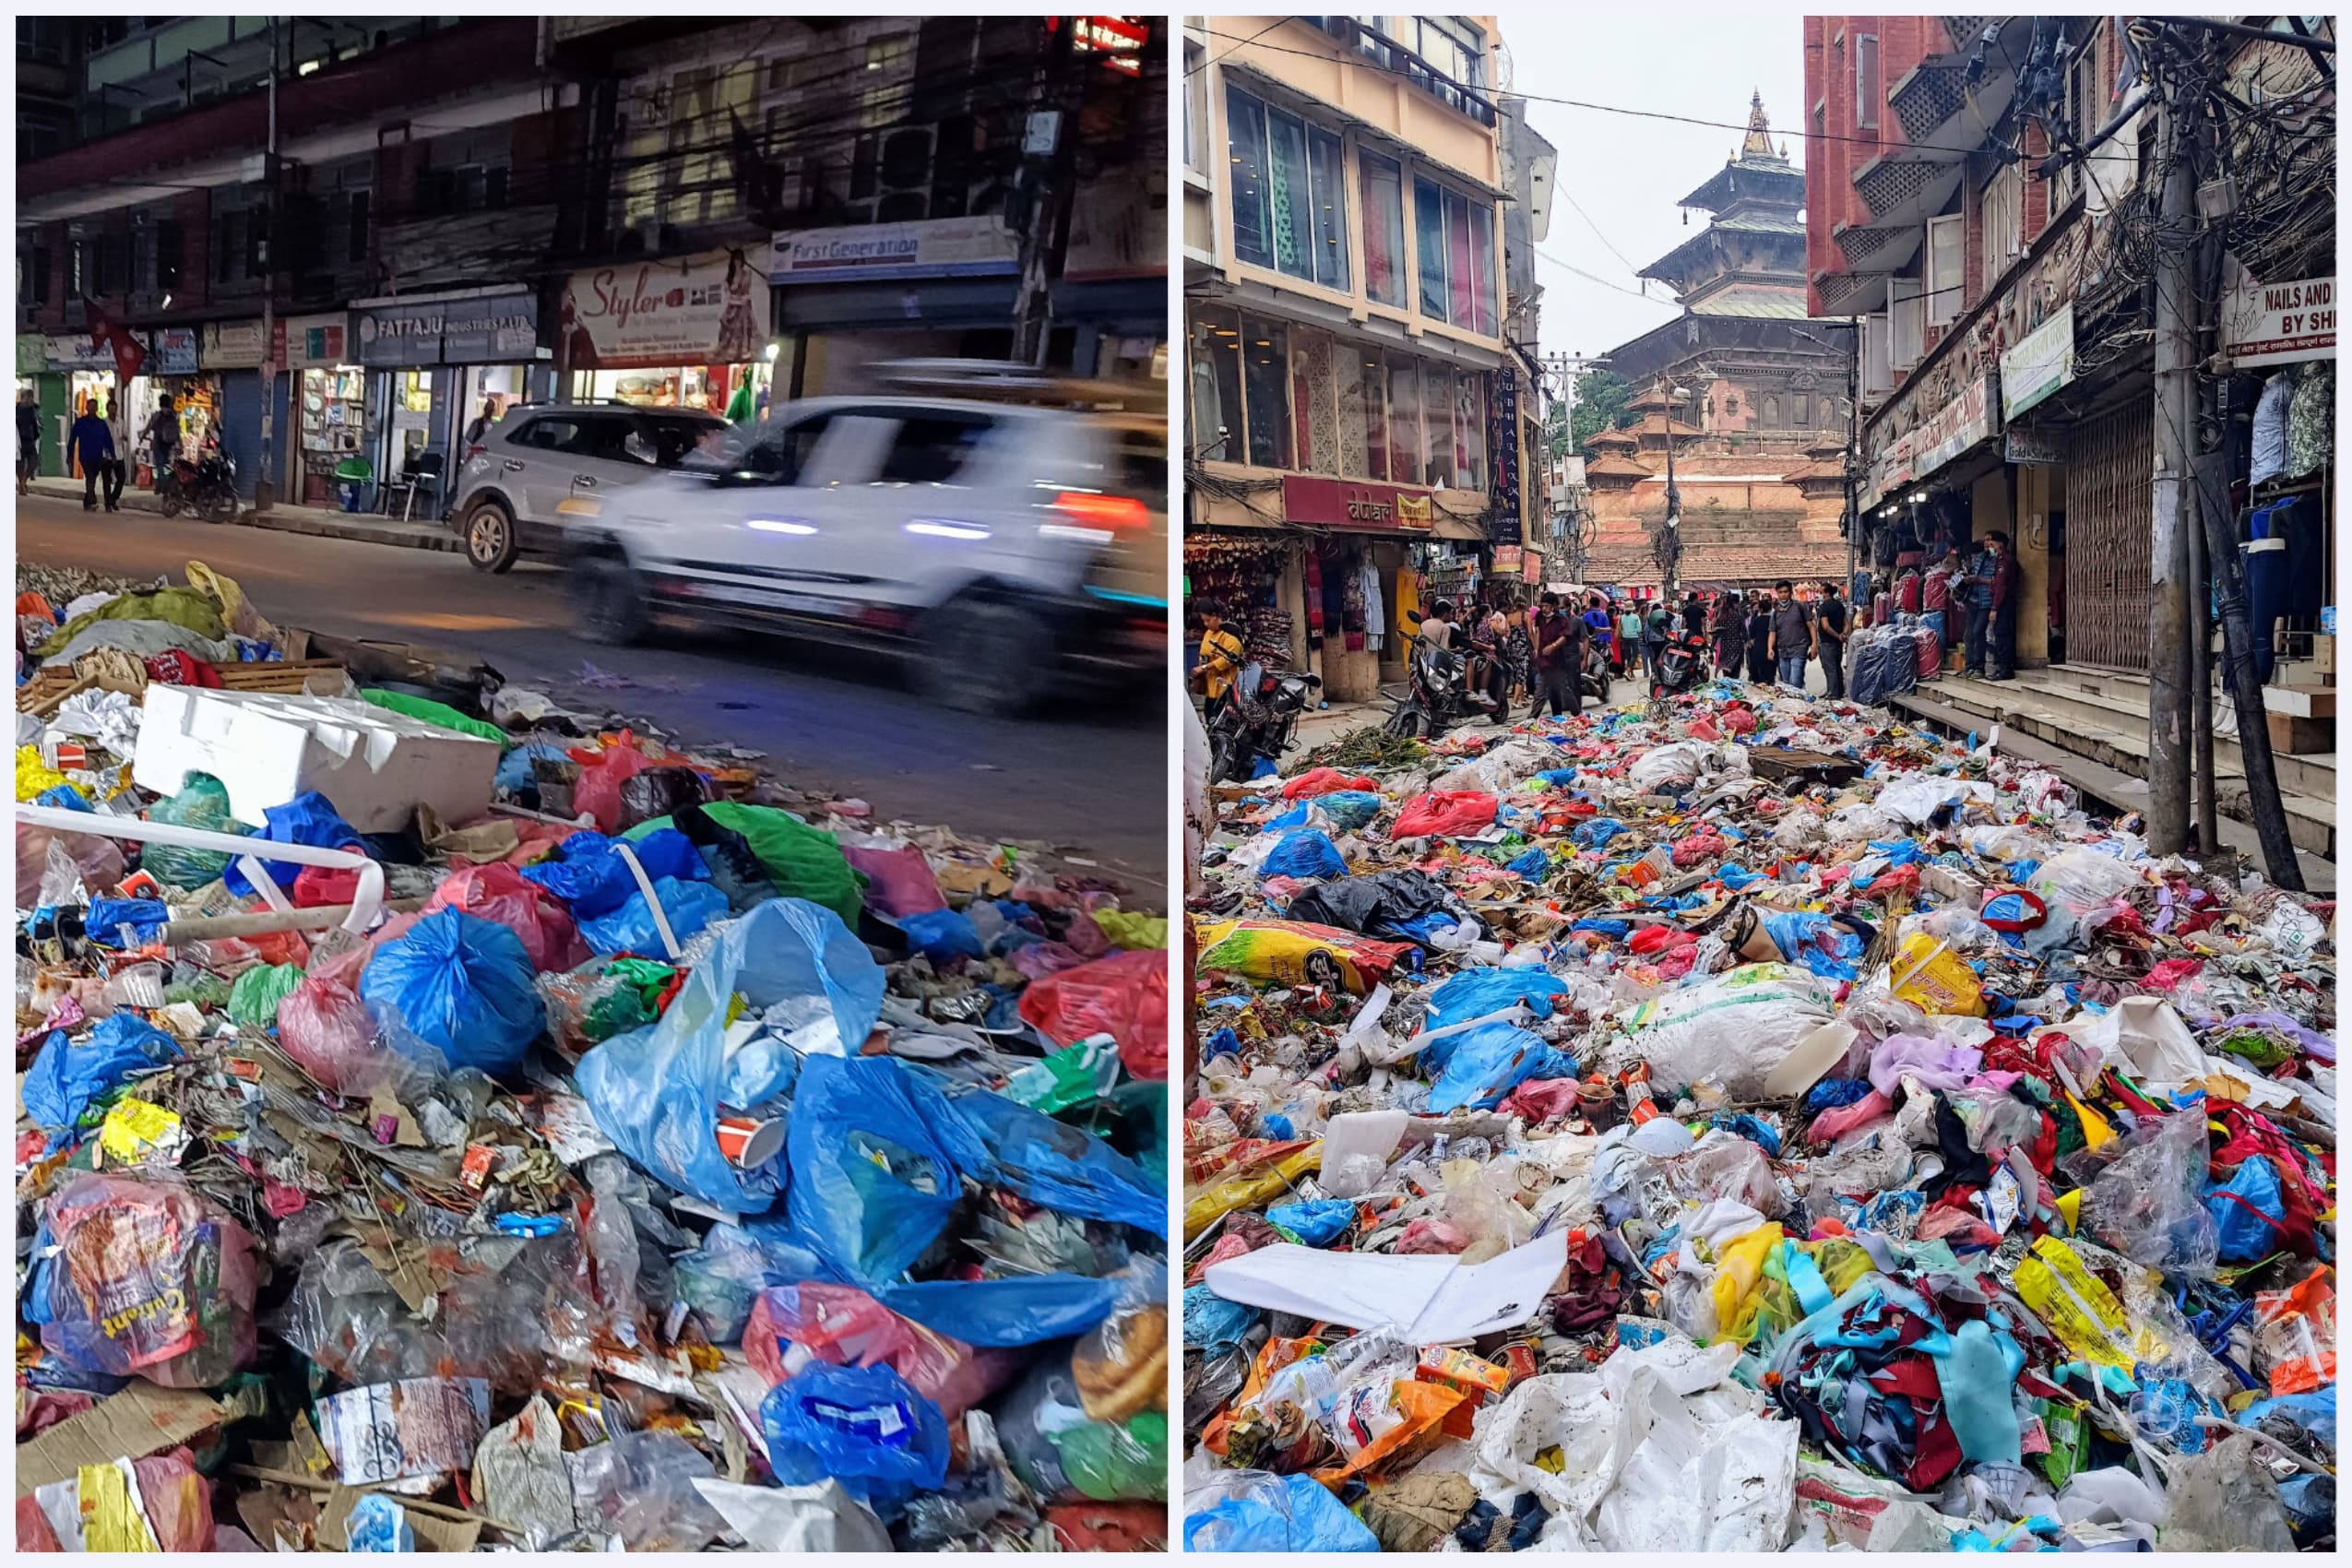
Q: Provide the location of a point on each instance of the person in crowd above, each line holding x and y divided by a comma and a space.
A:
1973, 593
162, 437
118, 472
92, 445
1760, 640
480, 428
1221, 653
1831, 624
1730, 634
1437, 626
1943, 596
1654, 631
27, 440
1792, 635
2001, 592
1560, 655
1486, 671
1519, 658
1629, 640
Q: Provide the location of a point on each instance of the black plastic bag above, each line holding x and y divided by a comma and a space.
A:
1388, 903
660, 791
735, 868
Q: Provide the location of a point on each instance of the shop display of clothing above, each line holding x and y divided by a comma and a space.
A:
2270, 429
1375, 611
2310, 418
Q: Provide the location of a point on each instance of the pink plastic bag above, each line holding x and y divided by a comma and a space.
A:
844, 1326
1125, 995
328, 1031
1324, 782
1446, 813
503, 895
899, 880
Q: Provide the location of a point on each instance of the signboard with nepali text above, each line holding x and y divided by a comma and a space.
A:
2267, 324
1360, 506
2042, 361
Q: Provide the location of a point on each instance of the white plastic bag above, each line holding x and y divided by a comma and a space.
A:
1733, 1028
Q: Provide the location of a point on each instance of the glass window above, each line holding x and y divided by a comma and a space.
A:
1869, 91
1946, 294
1329, 211
1253, 218
1290, 195
1482, 268
1195, 110
1404, 421
1265, 378
933, 449
1375, 419
1383, 229
1429, 234
1470, 431
1437, 409
1215, 361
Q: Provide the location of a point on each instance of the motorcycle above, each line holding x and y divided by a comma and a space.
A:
1681, 667
1595, 672
1437, 693
1257, 717
207, 486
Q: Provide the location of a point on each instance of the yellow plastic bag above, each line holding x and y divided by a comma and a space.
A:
2081, 1311
111, 1520
1738, 1271
1935, 979
236, 611
1216, 1200
33, 776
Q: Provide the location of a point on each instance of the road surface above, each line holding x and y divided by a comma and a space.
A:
1091, 783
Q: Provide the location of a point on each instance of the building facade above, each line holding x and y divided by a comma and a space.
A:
1354, 397
1749, 392
1982, 200
464, 215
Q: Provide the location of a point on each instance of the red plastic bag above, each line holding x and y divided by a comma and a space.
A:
503, 895
1324, 781
1699, 848
1124, 997
1446, 813
899, 880
792, 1325
602, 774
318, 886
1542, 1099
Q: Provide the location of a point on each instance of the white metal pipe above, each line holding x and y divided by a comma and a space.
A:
365, 902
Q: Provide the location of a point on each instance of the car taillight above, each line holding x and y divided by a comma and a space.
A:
1088, 508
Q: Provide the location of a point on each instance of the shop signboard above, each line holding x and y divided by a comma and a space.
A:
706, 309
172, 350
1356, 504
231, 345
474, 330
32, 353
75, 351
1955, 427
2042, 361
873, 253
2033, 446
1507, 558
302, 341
2266, 324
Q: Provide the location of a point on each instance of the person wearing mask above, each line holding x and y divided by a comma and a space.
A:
1519, 656
2000, 584
118, 472
92, 447
1221, 654
1560, 655
1759, 640
162, 438
1792, 635
27, 440
1830, 625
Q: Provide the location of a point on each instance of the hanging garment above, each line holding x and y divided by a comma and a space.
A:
1310, 568
2310, 418
1375, 612
2270, 429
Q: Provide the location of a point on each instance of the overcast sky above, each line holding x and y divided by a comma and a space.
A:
1626, 172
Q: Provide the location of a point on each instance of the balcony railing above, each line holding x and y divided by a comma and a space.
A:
1390, 55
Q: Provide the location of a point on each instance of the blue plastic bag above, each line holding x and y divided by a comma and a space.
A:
1350, 809
863, 1426
309, 818
1052, 1163
1295, 817
1737, 877
106, 918
1317, 1222
690, 905
944, 934
65, 1077
1027, 1309
463, 985
1215, 1325
2249, 1211
64, 798
1596, 833
1474, 994
875, 1155
1304, 855
655, 1091
514, 767
1815, 941
1489, 1062
594, 880
1531, 866
1270, 1513
1554, 777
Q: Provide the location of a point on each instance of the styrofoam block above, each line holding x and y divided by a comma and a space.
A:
267, 748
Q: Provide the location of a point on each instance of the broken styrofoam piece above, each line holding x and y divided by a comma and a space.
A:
265, 748
1435, 1298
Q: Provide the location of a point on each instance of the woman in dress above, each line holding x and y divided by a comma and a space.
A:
736, 329
1760, 669
1519, 655
1730, 633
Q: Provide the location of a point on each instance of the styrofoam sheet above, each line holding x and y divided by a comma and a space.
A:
1436, 1299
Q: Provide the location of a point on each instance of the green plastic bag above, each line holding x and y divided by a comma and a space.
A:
202, 802
1131, 931
432, 712
1076, 1075
183, 607
803, 862
1121, 1463
253, 1000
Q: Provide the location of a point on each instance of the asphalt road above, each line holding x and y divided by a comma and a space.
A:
1093, 784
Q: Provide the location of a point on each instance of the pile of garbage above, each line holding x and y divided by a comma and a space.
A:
450, 1121
1742, 1123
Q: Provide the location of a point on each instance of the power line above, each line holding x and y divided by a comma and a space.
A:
1595, 278
1595, 229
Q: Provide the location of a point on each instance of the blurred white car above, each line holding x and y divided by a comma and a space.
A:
1008, 550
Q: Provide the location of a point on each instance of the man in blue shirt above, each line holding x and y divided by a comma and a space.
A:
92, 444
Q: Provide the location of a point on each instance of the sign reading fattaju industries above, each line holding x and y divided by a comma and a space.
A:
476, 330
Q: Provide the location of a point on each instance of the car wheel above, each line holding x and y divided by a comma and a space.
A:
220, 506
490, 541
610, 600
984, 656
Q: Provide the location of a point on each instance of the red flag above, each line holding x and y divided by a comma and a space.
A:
105, 329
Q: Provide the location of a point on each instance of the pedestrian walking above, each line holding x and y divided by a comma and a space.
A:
1654, 633
1830, 625
27, 440
118, 423
162, 438
1629, 641
1730, 634
1519, 655
1759, 640
1559, 654
92, 445
1792, 635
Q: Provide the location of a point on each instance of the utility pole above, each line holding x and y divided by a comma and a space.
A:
1049, 160
1853, 457
265, 484
2170, 616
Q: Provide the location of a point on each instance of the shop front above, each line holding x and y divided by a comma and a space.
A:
232, 352
1112, 295
947, 287
328, 420
690, 333
75, 375
173, 369
434, 365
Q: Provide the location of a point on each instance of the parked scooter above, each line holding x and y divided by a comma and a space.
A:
207, 486
1681, 667
1257, 717
1437, 693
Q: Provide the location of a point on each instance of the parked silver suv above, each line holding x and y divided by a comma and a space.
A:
521, 484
